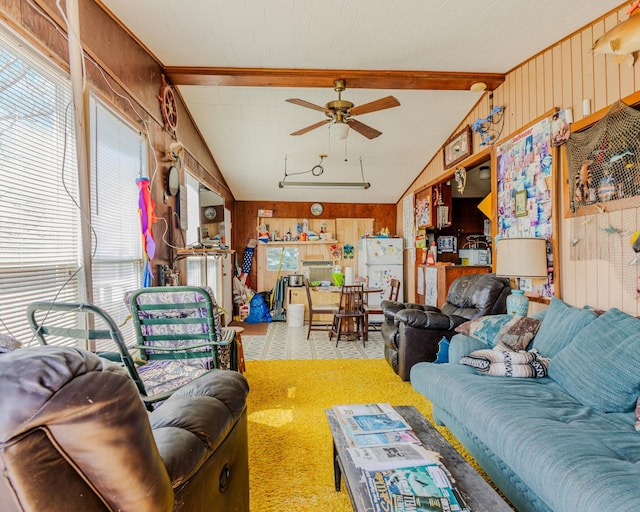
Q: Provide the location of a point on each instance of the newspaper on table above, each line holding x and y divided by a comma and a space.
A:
392, 456
370, 418
382, 438
423, 488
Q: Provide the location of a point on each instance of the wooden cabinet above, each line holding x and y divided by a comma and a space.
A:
433, 281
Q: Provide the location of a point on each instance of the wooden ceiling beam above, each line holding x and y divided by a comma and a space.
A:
324, 78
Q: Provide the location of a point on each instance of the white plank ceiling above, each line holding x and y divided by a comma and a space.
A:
247, 128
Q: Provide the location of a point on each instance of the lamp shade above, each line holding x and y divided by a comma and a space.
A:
521, 257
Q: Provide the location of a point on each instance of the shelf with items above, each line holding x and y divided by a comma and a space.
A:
279, 228
299, 242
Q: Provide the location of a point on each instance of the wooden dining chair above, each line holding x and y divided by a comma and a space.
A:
318, 309
394, 292
350, 318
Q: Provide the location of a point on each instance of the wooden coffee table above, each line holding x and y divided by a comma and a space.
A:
475, 490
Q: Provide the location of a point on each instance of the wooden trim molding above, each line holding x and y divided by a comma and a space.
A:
324, 78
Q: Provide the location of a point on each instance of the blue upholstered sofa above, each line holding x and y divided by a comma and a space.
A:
565, 442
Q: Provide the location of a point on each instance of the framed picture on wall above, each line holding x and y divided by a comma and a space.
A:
457, 148
521, 203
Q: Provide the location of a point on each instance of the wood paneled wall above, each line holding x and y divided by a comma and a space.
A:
246, 213
560, 76
124, 75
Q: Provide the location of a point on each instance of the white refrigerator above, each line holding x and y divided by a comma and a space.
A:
380, 259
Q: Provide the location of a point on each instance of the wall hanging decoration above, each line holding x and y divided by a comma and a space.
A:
526, 198
442, 210
461, 178
457, 148
423, 210
603, 181
560, 129
604, 161
168, 107
489, 128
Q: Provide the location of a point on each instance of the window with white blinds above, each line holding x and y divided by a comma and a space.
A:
39, 235
117, 160
192, 186
40, 253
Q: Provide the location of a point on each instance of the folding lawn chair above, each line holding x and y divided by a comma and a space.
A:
179, 330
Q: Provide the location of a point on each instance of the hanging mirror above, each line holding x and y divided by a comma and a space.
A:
173, 181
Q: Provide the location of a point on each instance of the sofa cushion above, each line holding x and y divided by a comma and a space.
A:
561, 323
600, 366
516, 332
571, 456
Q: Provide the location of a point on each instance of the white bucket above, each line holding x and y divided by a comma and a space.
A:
295, 315
348, 276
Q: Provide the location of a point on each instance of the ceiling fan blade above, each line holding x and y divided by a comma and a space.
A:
363, 129
307, 104
372, 106
312, 127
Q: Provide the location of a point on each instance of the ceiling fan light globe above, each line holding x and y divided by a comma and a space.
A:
339, 131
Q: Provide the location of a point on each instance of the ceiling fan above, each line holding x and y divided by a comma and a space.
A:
340, 112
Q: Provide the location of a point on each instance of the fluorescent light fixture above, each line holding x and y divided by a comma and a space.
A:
324, 184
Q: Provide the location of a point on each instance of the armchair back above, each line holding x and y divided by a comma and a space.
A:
476, 295
411, 332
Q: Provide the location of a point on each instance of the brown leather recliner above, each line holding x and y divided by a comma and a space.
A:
411, 332
74, 435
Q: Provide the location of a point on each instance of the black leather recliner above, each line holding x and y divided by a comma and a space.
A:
411, 332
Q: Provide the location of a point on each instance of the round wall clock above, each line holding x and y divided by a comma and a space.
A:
210, 213
317, 209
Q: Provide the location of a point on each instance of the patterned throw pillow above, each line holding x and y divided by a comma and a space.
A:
516, 332
8, 343
504, 362
638, 414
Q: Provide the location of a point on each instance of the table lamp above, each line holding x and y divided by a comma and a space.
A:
520, 258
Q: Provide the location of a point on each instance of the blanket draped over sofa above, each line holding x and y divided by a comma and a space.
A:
563, 443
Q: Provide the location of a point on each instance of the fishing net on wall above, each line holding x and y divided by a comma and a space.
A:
604, 166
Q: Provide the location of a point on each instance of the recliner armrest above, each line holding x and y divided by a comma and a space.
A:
196, 419
390, 307
428, 319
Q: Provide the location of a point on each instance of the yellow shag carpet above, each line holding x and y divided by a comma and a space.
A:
290, 448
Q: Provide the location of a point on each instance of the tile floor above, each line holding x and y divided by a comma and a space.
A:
284, 342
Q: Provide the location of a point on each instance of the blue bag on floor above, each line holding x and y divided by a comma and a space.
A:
258, 310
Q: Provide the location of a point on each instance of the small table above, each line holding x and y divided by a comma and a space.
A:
475, 490
238, 330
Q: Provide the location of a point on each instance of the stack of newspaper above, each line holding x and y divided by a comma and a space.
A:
401, 475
